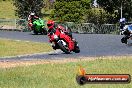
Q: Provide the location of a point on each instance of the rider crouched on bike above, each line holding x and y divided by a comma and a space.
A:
122, 25
31, 18
52, 29
127, 32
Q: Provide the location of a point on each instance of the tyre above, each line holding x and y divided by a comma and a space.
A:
63, 47
124, 40
45, 31
35, 32
76, 48
34, 29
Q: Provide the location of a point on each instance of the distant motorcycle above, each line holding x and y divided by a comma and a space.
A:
63, 41
127, 32
39, 27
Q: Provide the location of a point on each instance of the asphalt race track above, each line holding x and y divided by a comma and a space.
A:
90, 45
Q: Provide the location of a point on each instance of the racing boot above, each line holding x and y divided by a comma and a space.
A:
53, 46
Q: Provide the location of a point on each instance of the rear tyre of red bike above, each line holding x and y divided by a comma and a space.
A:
63, 47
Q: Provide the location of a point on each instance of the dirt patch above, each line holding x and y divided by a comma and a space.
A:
7, 27
10, 28
10, 64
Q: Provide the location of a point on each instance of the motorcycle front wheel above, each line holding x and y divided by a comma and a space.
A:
35, 32
76, 48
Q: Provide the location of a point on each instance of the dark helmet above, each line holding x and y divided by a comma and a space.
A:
50, 24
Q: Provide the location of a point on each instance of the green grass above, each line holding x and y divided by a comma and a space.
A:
7, 10
13, 48
62, 75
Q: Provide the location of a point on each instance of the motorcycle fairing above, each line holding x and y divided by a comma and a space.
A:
68, 40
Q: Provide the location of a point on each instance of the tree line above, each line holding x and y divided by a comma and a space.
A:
107, 11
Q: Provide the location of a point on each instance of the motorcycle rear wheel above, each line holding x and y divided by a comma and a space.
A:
45, 31
63, 48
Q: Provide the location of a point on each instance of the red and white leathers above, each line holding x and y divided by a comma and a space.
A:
60, 32
31, 17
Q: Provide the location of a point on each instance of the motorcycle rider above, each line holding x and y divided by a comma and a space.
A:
127, 32
52, 29
122, 25
31, 17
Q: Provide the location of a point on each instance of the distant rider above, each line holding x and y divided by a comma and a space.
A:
127, 32
122, 24
31, 18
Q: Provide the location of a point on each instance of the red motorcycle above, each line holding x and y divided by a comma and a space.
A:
62, 41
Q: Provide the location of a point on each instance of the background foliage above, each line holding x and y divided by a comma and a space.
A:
114, 7
25, 7
108, 11
97, 16
70, 10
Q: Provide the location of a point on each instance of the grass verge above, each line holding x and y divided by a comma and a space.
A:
7, 10
13, 47
62, 74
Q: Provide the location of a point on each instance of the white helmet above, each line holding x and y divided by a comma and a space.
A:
122, 20
32, 14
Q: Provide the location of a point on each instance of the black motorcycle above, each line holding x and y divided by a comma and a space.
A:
127, 35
